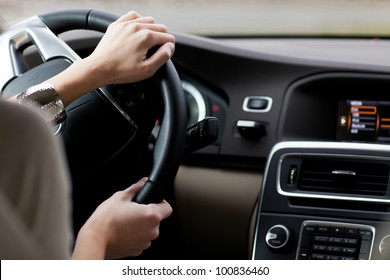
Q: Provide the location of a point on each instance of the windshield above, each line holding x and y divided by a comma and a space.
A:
235, 17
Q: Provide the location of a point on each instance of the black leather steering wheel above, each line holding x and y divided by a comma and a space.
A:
122, 120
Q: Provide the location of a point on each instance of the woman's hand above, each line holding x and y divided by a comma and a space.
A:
120, 228
120, 57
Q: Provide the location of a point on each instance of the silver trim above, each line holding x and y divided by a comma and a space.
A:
329, 145
267, 109
344, 172
107, 94
195, 93
270, 235
329, 223
384, 245
246, 124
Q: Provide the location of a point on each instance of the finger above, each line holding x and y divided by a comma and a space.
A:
162, 55
163, 208
135, 188
142, 181
131, 15
143, 20
151, 26
160, 38
136, 26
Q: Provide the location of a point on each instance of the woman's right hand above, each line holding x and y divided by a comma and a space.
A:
120, 228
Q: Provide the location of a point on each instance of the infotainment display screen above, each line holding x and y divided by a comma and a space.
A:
363, 121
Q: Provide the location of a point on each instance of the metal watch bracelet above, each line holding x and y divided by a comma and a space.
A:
45, 97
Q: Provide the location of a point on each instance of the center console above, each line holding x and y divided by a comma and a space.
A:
324, 200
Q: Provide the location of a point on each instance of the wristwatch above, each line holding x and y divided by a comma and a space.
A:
46, 98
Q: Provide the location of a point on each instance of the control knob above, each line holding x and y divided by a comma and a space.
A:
384, 247
277, 237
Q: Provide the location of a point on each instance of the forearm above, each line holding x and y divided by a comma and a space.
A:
78, 79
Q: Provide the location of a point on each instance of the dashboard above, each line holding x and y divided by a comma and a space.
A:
302, 108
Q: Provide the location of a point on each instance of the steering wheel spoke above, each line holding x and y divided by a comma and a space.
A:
32, 31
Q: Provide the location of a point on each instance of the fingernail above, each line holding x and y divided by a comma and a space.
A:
171, 47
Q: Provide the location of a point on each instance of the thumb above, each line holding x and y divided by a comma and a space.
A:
135, 188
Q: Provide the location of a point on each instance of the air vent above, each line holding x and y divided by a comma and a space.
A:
343, 177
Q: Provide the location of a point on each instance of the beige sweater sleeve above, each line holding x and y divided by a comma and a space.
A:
35, 214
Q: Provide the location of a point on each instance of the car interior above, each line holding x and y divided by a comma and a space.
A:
267, 148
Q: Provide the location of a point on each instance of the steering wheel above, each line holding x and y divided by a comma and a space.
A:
108, 122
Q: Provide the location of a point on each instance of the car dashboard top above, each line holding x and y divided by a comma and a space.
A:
292, 89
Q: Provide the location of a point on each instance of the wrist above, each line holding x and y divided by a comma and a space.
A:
76, 80
93, 67
89, 245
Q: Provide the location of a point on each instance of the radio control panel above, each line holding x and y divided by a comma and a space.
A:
319, 240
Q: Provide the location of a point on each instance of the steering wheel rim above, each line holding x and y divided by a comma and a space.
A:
168, 149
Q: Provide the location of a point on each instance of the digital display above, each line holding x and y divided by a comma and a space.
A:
363, 121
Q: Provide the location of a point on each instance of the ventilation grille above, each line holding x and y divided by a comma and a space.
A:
344, 177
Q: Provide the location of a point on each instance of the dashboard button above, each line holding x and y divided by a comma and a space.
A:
332, 257
319, 247
303, 254
321, 238
348, 250
323, 229
350, 241
351, 231
365, 234
337, 230
257, 104
308, 229
318, 257
334, 249
251, 129
277, 237
335, 239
